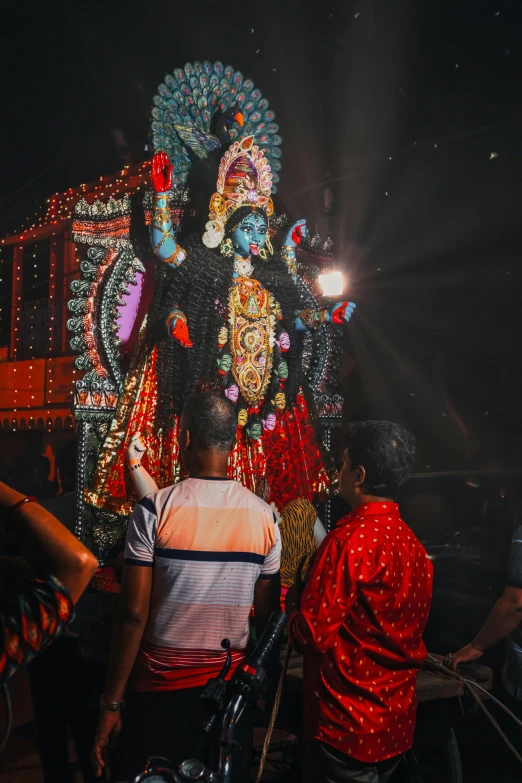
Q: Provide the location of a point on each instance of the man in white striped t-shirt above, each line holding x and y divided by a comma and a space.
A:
198, 555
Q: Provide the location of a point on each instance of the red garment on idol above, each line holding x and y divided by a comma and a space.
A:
288, 456
360, 626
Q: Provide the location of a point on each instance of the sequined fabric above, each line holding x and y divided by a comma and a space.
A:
136, 412
288, 456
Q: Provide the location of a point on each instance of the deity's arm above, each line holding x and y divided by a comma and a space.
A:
162, 237
338, 313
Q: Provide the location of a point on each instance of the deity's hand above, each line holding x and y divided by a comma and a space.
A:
161, 172
295, 234
341, 312
178, 329
136, 449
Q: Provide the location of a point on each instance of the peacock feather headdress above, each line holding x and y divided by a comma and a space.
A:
195, 109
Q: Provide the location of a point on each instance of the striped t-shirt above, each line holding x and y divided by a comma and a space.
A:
209, 541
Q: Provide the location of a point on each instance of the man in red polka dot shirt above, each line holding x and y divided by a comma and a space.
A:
361, 619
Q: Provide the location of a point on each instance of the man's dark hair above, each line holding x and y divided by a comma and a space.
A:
212, 421
385, 450
66, 461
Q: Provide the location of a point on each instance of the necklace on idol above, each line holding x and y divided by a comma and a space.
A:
243, 266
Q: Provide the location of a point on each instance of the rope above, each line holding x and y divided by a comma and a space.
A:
470, 685
299, 583
273, 716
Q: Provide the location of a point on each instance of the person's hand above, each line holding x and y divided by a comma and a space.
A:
161, 172
108, 728
136, 449
295, 234
292, 600
466, 654
342, 312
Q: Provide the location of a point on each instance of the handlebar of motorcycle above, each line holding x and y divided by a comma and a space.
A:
269, 638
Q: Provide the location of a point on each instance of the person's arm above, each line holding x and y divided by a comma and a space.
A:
49, 548
267, 591
326, 599
131, 619
505, 616
143, 482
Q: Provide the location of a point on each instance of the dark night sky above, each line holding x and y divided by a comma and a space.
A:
396, 105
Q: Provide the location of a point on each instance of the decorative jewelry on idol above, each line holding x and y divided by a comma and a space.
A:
243, 267
161, 209
226, 247
222, 336
244, 179
177, 257
173, 315
312, 318
288, 256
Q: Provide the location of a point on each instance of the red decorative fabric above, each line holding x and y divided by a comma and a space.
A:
161, 457
360, 626
288, 456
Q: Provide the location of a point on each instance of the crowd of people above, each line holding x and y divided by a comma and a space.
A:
201, 558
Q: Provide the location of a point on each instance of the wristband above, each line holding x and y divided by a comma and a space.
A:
28, 499
111, 706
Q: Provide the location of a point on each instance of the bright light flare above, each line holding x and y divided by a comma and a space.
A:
332, 284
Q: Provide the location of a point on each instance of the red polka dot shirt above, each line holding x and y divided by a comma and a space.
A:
360, 626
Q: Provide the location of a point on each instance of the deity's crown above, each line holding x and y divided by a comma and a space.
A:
244, 179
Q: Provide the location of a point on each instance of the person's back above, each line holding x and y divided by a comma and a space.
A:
385, 613
361, 618
197, 556
209, 540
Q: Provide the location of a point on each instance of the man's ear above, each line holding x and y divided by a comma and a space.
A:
360, 476
188, 439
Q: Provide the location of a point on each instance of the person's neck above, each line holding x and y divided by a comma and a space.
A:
363, 500
211, 465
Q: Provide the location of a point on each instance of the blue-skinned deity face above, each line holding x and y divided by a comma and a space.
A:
250, 236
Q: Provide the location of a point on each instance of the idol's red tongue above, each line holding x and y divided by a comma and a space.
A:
254, 250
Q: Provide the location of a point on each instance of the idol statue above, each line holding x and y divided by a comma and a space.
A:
226, 311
